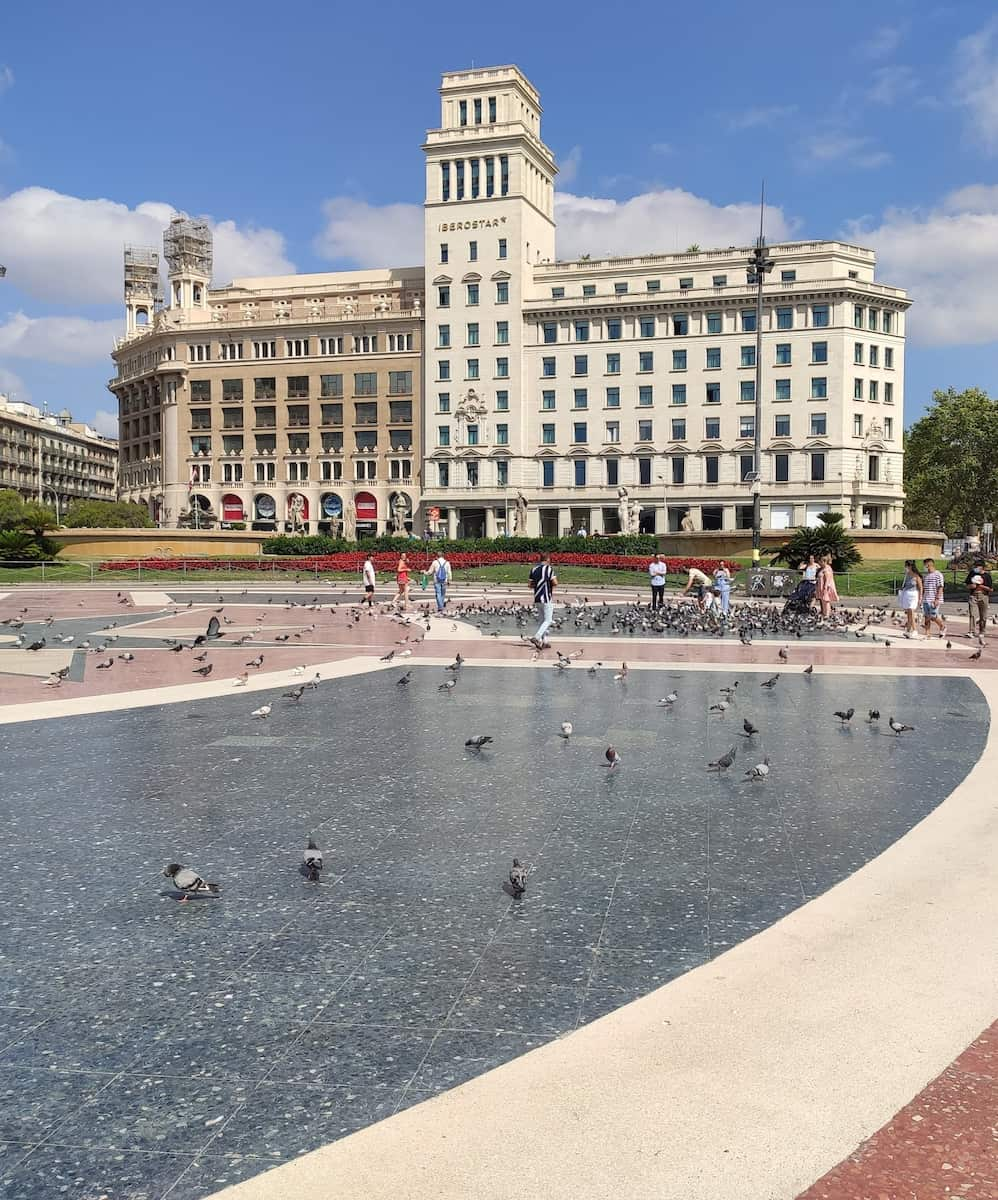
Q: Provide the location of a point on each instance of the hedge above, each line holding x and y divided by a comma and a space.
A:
288, 545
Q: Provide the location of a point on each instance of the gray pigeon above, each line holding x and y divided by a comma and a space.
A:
189, 882
478, 741
518, 878
759, 771
312, 861
897, 728
724, 761
750, 729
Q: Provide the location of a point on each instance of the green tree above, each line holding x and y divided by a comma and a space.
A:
11, 509
951, 463
22, 528
830, 537
107, 514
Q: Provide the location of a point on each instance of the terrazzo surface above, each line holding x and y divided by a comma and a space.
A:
149, 1048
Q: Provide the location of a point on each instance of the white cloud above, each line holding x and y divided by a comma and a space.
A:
755, 118
881, 42
57, 339
947, 258
106, 423
890, 84
6, 78
835, 147
13, 386
369, 235
67, 249
976, 83
568, 167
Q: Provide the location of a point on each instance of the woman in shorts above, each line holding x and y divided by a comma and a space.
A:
910, 597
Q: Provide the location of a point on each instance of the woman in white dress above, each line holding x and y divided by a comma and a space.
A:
910, 596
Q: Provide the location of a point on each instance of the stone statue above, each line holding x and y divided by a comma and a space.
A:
315, 309
296, 511
350, 521
623, 510
520, 515
400, 510
335, 524
382, 305
633, 517
686, 525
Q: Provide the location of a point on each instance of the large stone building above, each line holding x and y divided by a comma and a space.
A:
52, 458
578, 394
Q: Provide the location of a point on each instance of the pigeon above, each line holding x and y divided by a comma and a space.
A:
177, 648
759, 771
809, 670
898, 728
873, 715
212, 633
566, 730
40, 645
949, 644
53, 681
201, 657
770, 682
845, 717
478, 741
241, 680
518, 878
457, 664
448, 686
204, 672
68, 639
127, 657
255, 662
721, 707
669, 701
189, 882
314, 682
622, 674
783, 656
295, 693
724, 761
282, 637
729, 692
261, 713
312, 861
594, 668
105, 666
404, 681
612, 757
298, 671
750, 729
387, 657
973, 658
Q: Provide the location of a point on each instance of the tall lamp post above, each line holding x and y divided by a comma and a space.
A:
759, 266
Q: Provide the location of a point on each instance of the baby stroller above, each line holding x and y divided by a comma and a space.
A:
799, 600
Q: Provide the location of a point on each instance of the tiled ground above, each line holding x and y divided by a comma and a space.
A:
149, 1048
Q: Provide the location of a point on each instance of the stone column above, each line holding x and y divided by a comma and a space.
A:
490, 521
452, 523
564, 520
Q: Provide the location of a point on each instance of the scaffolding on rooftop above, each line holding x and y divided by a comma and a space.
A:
187, 246
142, 280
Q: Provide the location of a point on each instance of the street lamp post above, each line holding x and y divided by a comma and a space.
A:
759, 266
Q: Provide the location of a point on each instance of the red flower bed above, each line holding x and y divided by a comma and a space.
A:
385, 561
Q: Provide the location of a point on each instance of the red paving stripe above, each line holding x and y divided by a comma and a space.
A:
942, 1145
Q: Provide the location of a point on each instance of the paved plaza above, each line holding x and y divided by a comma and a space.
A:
791, 960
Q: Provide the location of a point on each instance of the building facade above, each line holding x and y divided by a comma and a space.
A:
54, 459
545, 395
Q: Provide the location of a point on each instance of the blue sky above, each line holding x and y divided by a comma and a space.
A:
296, 128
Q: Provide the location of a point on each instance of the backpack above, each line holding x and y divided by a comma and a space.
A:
441, 575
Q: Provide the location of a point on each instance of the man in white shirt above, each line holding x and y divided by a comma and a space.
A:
697, 580
657, 570
369, 581
439, 571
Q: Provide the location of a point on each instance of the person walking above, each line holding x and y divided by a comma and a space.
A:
402, 582
910, 596
544, 581
441, 574
370, 579
979, 588
933, 585
657, 571
722, 585
825, 589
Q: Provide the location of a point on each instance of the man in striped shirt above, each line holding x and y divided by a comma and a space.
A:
544, 580
932, 597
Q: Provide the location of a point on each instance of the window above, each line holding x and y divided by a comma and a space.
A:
547, 435
784, 318
857, 389
502, 333
444, 252
858, 313
781, 468
613, 431
713, 393
646, 360
298, 442
264, 349
686, 283
678, 469
712, 429
547, 473
502, 401
366, 344
331, 470
334, 345
887, 322
443, 296
581, 364
265, 417
857, 425
680, 325
200, 418
817, 468
748, 316
443, 402
547, 401
644, 472
502, 473
471, 338
746, 427
613, 364
872, 322
873, 387
549, 332
443, 474
646, 396
679, 393
472, 435
612, 472
713, 358
200, 391
781, 425
492, 110
502, 248
298, 414
819, 387
200, 353
296, 347
504, 174
857, 353
445, 181
582, 331
589, 289
819, 352
548, 368
502, 292
502, 368
712, 468
230, 351
366, 413
472, 294
679, 429
459, 179
399, 383
783, 354
580, 472
788, 276
746, 466
580, 431
653, 285
782, 389
713, 323
720, 281
473, 250
874, 356
330, 385
679, 360
557, 293
747, 356
298, 387
332, 414
365, 383
614, 329
620, 289
646, 327
580, 398
471, 368
873, 468
819, 425
613, 397
443, 435
265, 472
888, 392
746, 390
232, 473
819, 315
443, 337
443, 369
264, 389
889, 428
462, 109
644, 431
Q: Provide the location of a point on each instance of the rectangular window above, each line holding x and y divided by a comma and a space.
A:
712, 468
581, 398
720, 280
748, 316
502, 292
200, 391
472, 334
459, 179
819, 425
443, 337
746, 466
365, 383
334, 345
888, 392
889, 428
443, 296
680, 325
471, 368
613, 364
614, 329
746, 391
874, 356
746, 427
713, 393
781, 425
857, 425
679, 429
713, 323
819, 352
653, 285
443, 474
581, 364
445, 182
472, 434
332, 414
679, 393
819, 316
858, 313
817, 468
490, 182
613, 431
472, 294
462, 109
644, 472
872, 323
444, 252
503, 248
646, 396
873, 468
549, 332
747, 356
782, 389
580, 472
873, 388
788, 276
784, 318
713, 358
298, 414
679, 360
783, 354
589, 289
230, 351
781, 465
646, 360
857, 353
547, 401
582, 331
504, 174
399, 383
264, 349
580, 431
502, 473
686, 283
472, 252
887, 323
644, 431
502, 368
330, 385
200, 353
712, 429
548, 368
857, 389
366, 344
620, 289
646, 327
557, 293
298, 387
443, 402
296, 347
819, 387
265, 417
365, 414
678, 469
613, 397
547, 473
502, 401
502, 333
443, 369
612, 472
